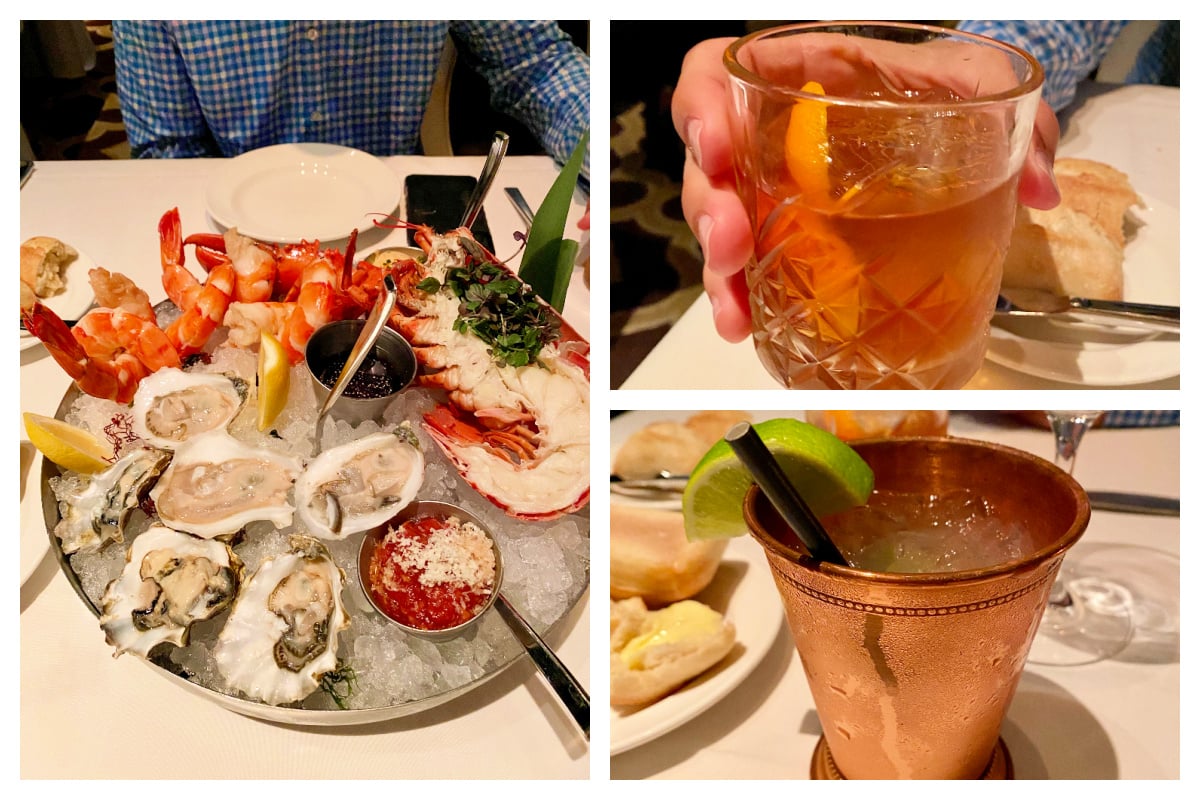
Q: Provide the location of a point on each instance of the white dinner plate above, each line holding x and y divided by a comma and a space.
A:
1093, 355
743, 590
73, 302
289, 192
34, 541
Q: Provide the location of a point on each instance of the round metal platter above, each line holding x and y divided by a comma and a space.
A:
290, 714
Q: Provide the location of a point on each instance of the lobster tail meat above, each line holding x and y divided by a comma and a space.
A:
516, 426
528, 480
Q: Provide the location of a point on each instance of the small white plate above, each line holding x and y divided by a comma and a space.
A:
34, 541
289, 192
72, 303
1091, 355
743, 590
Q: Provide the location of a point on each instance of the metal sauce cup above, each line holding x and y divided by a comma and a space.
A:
333, 342
427, 508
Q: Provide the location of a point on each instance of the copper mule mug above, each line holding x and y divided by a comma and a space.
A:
912, 674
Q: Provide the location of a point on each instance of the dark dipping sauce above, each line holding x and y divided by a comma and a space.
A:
373, 379
431, 573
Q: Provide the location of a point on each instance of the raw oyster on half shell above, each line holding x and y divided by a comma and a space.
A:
170, 581
172, 406
361, 484
217, 484
95, 509
281, 637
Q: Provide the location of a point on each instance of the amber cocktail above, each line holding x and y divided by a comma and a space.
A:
912, 671
878, 164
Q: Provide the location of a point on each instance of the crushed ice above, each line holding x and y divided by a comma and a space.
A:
546, 564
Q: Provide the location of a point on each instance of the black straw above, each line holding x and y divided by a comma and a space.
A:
769, 476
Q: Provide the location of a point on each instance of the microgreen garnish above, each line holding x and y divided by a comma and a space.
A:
339, 683
498, 308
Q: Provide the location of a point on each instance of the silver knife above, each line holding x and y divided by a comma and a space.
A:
663, 487
518, 201
1038, 303
1130, 503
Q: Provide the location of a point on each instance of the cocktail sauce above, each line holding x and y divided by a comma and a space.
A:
432, 573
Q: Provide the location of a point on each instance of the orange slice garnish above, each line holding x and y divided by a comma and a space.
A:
806, 147
804, 233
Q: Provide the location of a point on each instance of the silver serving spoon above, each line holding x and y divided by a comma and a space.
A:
490, 167
366, 340
1037, 303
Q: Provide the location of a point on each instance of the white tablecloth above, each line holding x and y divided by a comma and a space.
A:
1135, 129
1118, 718
86, 715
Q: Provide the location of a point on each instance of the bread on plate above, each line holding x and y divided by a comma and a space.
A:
43, 261
1078, 248
650, 556
659, 447
711, 426
672, 447
653, 653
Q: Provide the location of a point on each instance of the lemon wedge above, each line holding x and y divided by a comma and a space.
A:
70, 447
274, 379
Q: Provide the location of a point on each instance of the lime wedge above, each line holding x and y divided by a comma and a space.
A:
829, 475
70, 447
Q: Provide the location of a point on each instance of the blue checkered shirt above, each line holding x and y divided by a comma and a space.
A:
1140, 419
1070, 49
221, 88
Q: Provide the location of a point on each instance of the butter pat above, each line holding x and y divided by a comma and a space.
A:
654, 653
674, 625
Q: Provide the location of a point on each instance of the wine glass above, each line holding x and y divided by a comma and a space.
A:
1088, 618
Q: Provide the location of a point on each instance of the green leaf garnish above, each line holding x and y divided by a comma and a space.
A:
339, 683
549, 259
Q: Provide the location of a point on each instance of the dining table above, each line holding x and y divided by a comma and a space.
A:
1134, 128
1116, 718
86, 714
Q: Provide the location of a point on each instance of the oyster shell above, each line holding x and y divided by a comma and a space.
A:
281, 637
361, 484
94, 510
217, 484
170, 581
172, 406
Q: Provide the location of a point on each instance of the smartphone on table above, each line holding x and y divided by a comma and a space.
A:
439, 202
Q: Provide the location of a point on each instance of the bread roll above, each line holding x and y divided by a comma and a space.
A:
1078, 248
650, 556
43, 260
659, 447
711, 426
653, 653
673, 447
